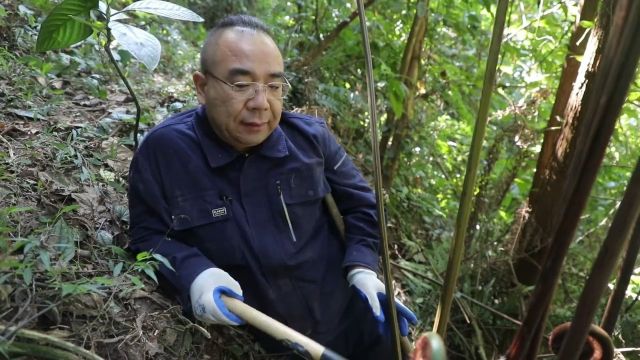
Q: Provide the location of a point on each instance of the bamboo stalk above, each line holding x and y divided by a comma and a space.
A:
462, 220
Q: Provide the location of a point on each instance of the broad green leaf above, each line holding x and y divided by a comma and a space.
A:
60, 30
142, 45
164, 8
149, 271
164, 261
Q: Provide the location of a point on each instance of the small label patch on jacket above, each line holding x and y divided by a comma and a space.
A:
219, 212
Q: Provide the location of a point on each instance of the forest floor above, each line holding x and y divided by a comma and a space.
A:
66, 284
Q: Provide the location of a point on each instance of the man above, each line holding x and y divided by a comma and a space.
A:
232, 194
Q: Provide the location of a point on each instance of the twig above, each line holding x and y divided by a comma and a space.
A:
51, 340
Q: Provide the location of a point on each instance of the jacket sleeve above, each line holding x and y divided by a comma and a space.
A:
356, 202
151, 222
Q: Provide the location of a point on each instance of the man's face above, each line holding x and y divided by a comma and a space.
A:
241, 55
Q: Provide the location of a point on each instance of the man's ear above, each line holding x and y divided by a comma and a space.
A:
200, 81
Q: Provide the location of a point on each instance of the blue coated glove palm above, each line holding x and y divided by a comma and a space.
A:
371, 289
206, 301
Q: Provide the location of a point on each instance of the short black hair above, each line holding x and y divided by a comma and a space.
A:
240, 20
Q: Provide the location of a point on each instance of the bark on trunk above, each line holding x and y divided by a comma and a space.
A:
543, 207
598, 111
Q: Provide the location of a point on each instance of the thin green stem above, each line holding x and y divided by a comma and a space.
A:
107, 48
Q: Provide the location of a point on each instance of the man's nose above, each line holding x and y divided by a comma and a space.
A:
259, 100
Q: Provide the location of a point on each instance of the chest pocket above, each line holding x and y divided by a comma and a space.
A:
205, 221
300, 194
197, 210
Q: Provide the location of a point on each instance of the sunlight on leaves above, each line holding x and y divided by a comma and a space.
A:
164, 8
141, 44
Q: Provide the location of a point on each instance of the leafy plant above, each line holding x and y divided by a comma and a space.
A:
148, 263
73, 21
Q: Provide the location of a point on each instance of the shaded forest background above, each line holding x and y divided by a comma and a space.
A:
66, 125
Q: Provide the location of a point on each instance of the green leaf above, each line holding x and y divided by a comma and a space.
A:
45, 258
27, 275
149, 271
59, 30
136, 281
67, 209
17, 209
64, 239
144, 255
69, 288
164, 261
164, 8
120, 252
396, 97
142, 45
586, 24
117, 269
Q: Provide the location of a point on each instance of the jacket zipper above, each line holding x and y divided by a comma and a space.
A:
286, 213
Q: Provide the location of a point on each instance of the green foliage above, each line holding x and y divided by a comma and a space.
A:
148, 263
66, 25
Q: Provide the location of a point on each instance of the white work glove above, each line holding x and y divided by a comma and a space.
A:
205, 294
371, 289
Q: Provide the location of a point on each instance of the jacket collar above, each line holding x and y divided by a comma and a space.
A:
220, 153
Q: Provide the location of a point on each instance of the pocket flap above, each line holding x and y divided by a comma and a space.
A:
301, 186
198, 210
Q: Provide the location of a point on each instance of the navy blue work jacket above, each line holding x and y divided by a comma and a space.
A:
201, 204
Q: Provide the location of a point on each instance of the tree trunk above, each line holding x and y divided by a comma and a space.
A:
615, 38
393, 139
543, 207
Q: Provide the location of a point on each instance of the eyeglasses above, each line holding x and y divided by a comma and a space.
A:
249, 89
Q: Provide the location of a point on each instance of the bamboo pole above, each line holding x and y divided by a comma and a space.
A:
462, 220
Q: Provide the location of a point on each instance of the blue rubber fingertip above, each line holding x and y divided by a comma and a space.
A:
406, 313
403, 326
220, 304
